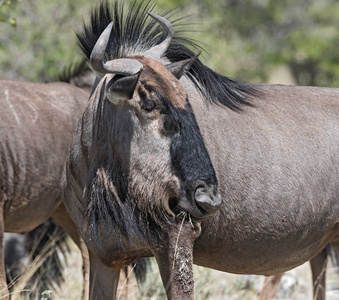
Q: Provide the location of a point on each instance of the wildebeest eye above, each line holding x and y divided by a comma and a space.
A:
148, 105
170, 125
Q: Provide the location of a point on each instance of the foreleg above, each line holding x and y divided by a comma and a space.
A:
175, 261
270, 287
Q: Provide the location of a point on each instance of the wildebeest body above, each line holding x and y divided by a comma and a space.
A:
277, 166
274, 149
37, 121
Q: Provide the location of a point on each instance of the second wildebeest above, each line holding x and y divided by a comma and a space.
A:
81, 76
37, 122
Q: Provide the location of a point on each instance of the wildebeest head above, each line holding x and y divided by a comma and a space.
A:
149, 153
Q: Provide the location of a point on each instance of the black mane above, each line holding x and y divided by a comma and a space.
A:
134, 32
73, 70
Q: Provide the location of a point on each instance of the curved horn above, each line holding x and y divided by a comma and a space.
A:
122, 66
159, 50
98, 52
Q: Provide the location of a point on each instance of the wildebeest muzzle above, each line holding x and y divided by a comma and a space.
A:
200, 199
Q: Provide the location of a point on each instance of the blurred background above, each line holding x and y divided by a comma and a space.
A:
288, 42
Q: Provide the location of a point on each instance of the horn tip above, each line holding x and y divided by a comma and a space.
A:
154, 16
110, 25
108, 28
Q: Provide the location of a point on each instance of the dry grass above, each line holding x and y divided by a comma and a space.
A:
215, 285
209, 284
70, 289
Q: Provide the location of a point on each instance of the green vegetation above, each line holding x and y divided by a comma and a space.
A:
46, 295
264, 34
43, 42
4, 16
248, 40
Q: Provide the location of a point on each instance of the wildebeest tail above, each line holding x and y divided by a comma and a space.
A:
33, 260
47, 247
140, 269
334, 256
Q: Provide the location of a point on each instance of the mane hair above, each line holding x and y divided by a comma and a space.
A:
79, 74
134, 32
73, 70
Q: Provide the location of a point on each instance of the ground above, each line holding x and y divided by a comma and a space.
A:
209, 284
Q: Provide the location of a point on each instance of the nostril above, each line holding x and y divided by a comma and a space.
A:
173, 204
200, 194
206, 199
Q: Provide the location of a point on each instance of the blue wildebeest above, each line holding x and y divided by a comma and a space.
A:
139, 180
37, 123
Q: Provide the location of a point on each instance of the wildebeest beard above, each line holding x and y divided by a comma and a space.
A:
112, 210
109, 206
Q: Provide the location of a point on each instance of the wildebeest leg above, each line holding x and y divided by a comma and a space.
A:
85, 268
63, 219
127, 284
318, 267
122, 288
3, 288
175, 261
270, 287
103, 281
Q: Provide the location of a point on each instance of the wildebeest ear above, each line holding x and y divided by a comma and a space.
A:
179, 68
121, 87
